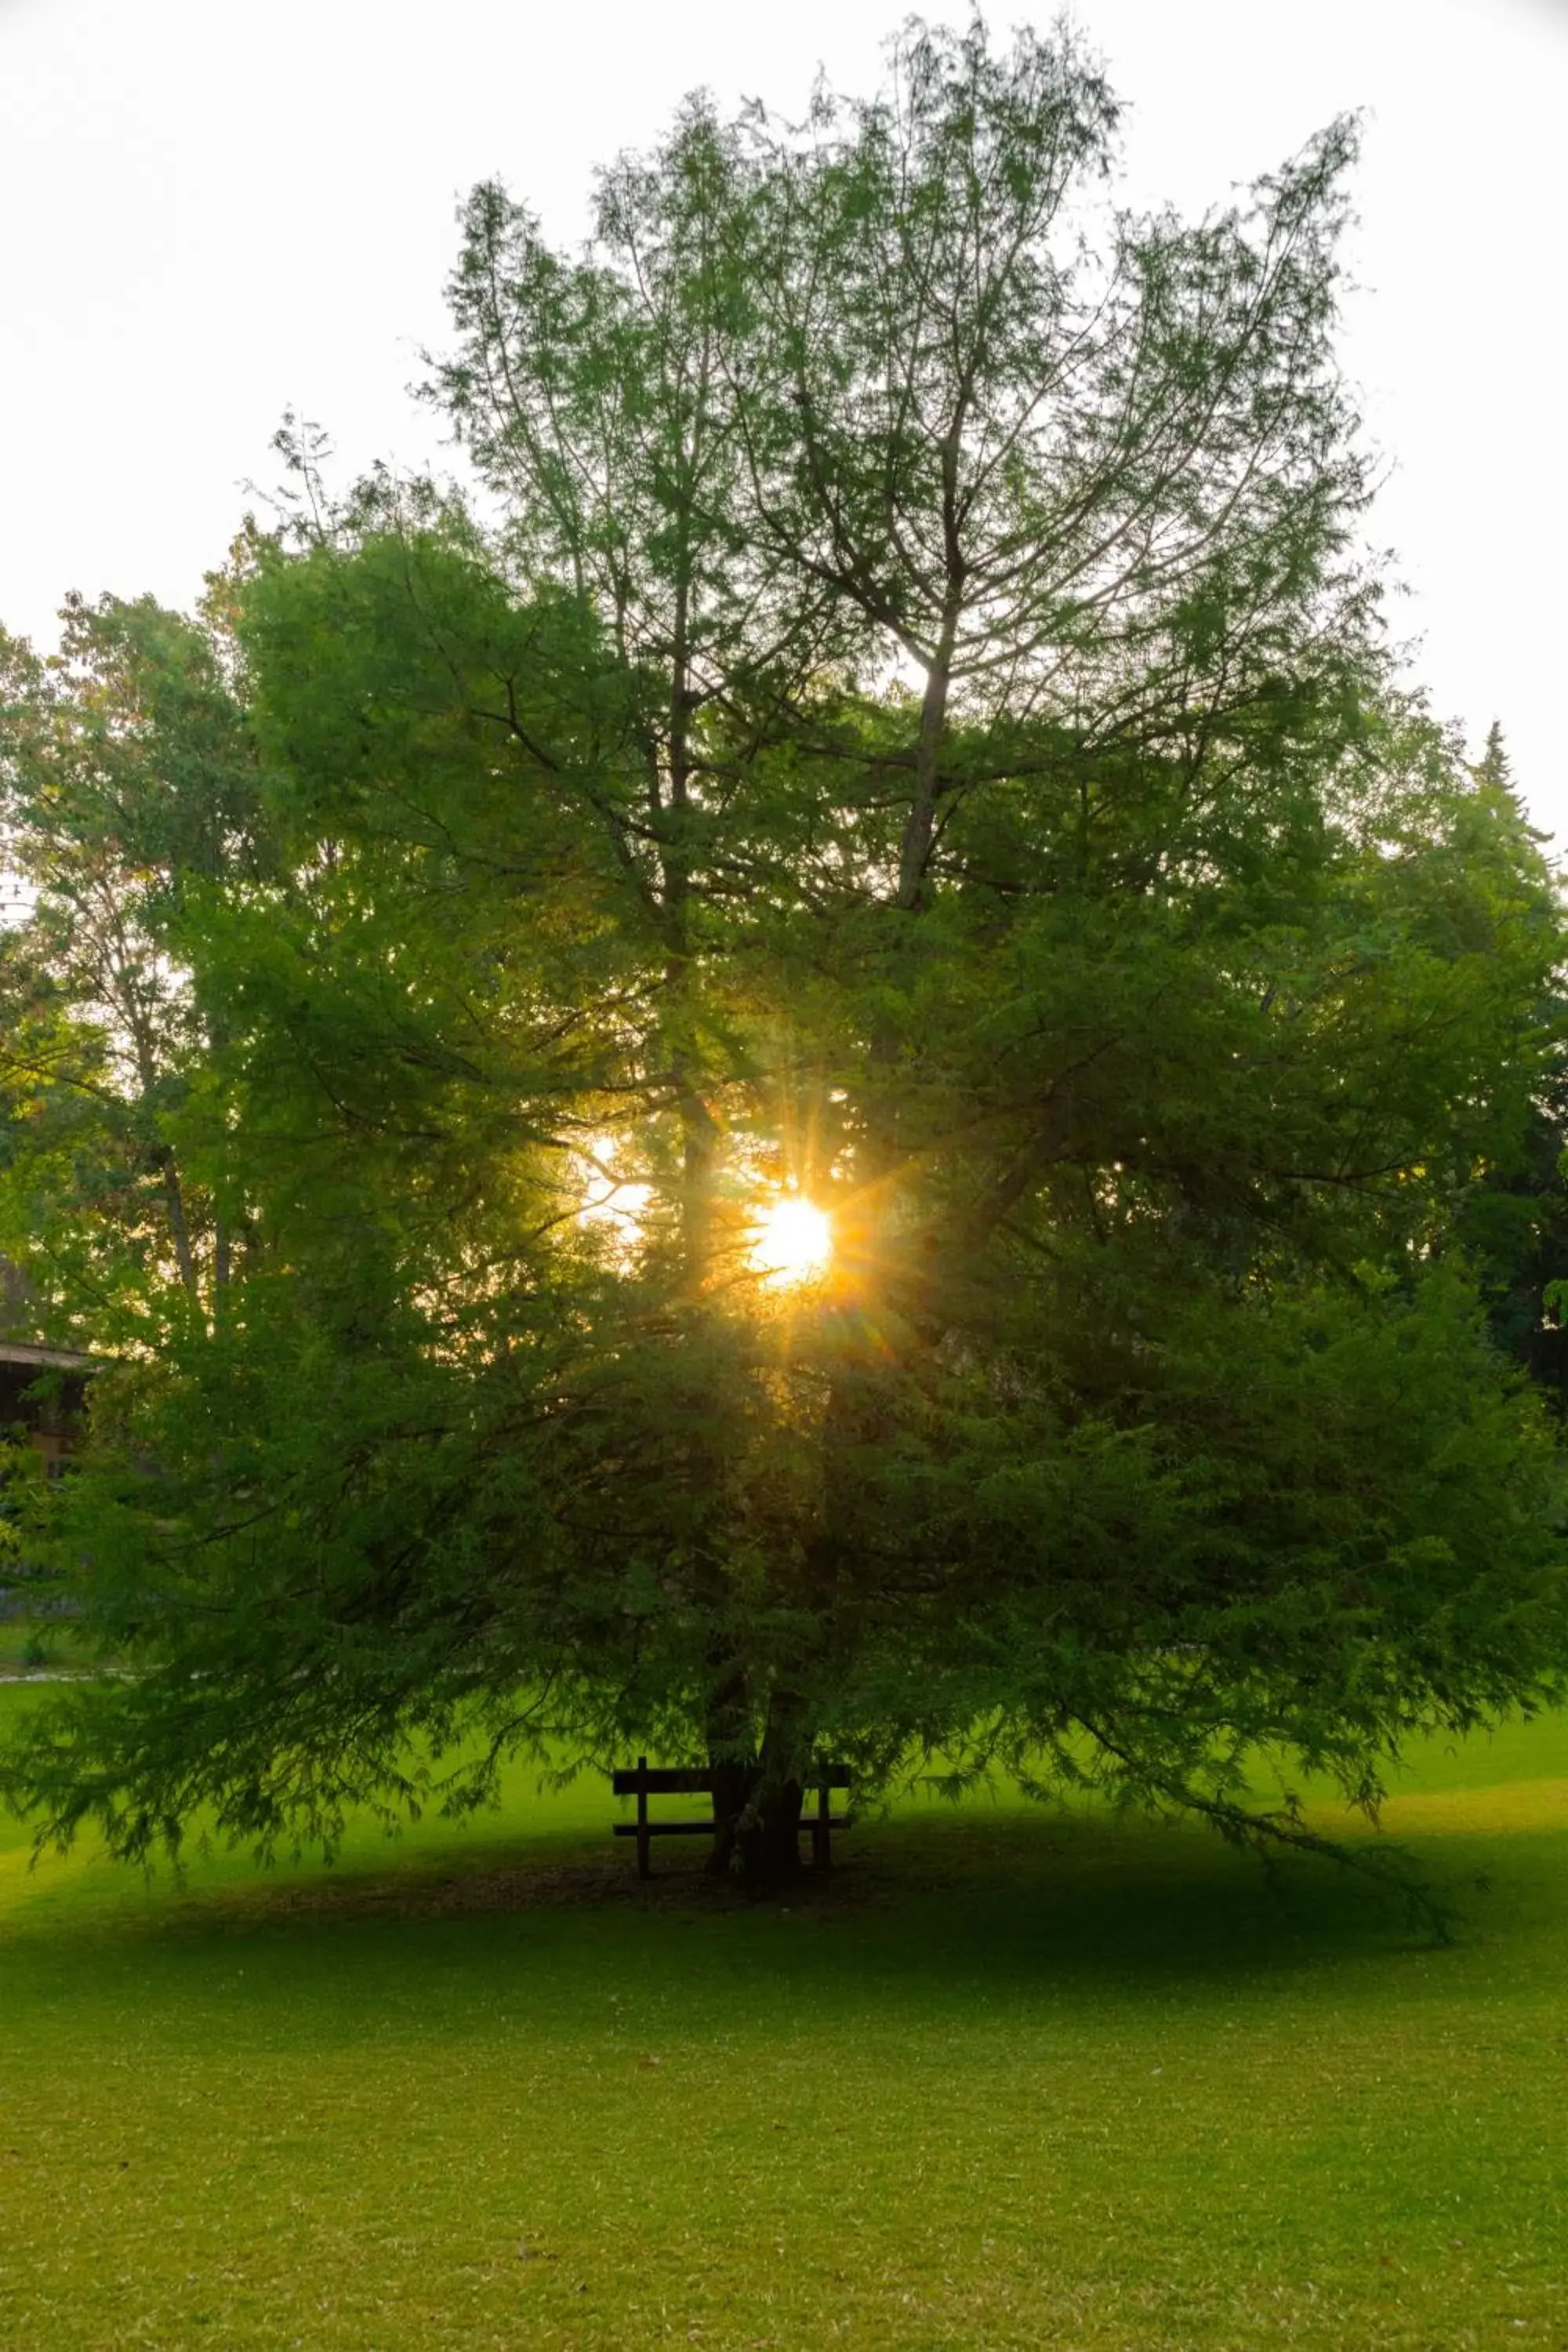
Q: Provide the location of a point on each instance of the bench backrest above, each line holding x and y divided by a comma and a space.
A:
686, 1780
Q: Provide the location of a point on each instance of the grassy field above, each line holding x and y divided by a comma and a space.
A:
20, 1643
1017, 2082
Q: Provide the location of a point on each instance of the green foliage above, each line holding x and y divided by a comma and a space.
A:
919, 739
1514, 1222
129, 784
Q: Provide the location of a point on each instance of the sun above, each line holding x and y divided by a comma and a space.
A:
794, 1243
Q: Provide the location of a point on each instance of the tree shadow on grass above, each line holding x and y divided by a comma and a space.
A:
939, 1910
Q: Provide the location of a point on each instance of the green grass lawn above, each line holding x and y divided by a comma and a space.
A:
1017, 2082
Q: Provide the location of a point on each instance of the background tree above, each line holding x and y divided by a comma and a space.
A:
127, 781
1515, 1221
919, 742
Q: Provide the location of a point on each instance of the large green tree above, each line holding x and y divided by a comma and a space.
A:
917, 739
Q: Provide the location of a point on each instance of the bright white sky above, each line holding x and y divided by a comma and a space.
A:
218, 208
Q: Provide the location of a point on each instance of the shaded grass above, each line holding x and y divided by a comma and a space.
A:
1018, 2081
19, 1641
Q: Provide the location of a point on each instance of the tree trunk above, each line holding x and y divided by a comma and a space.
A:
178, 1229
919, 826
756, 1826
757, 1804
774, 1853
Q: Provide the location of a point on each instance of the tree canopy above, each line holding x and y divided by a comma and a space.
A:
910, 735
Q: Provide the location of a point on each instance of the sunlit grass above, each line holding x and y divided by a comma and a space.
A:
1020, 2082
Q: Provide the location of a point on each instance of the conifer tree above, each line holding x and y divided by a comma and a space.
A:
915, 749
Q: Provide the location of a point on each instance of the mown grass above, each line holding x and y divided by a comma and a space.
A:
1017, 2082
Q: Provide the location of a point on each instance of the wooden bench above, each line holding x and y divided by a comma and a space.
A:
645, 1781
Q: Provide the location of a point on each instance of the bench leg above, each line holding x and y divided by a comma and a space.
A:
645, 1844
821, 1832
